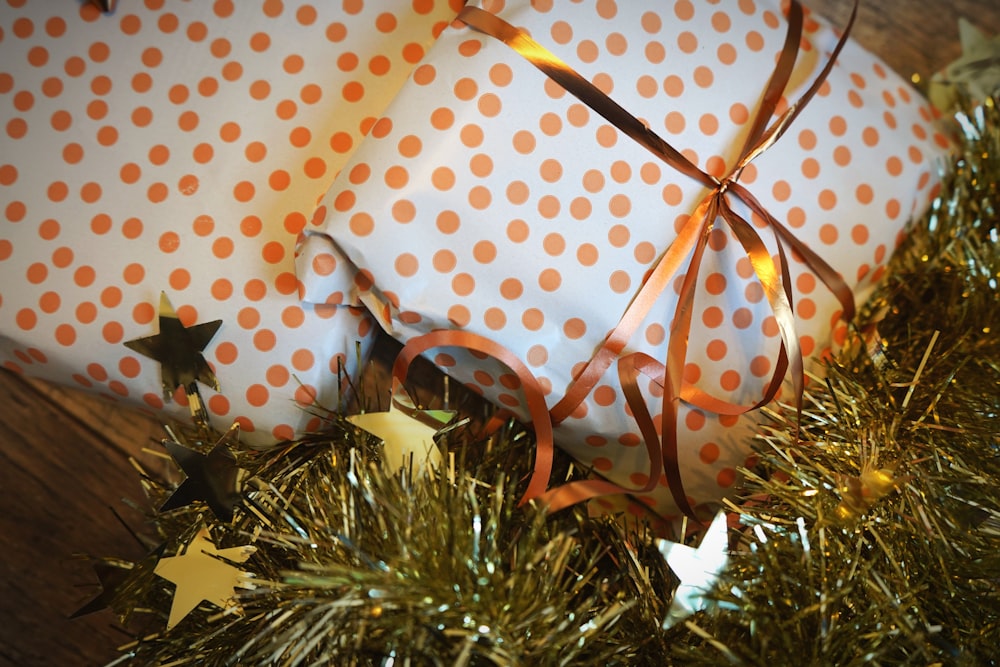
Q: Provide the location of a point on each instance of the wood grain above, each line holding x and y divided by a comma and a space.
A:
63, 466
64, 456
912, 36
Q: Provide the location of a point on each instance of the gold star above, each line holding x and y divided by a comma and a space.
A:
976, 71
698, 569
200, 575
214, 477
405, 431
178, 349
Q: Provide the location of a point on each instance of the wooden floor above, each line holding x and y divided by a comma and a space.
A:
64, 455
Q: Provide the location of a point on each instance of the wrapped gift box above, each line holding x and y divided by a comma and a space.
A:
489, 199
182, 147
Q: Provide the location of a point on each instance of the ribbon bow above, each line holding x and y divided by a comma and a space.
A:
690, 241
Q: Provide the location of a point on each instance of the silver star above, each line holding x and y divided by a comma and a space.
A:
698, 569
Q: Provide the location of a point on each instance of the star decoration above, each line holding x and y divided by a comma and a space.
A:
106, 6
405, 431
201, 575
214, 477
698, 569
111, 574
179, 350
976, 71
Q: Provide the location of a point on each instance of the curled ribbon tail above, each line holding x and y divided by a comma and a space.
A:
534, 397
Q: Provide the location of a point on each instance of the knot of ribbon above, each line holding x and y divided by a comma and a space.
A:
661, 439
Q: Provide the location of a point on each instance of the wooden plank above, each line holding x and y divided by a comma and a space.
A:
63, 465
912, 36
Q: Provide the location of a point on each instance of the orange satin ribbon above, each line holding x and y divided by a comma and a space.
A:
691, 240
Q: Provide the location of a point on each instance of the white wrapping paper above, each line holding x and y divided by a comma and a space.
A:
182, 147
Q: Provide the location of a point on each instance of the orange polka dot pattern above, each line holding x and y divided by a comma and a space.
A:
489, 199
183, 147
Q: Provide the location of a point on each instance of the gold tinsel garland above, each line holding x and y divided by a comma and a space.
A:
870, 536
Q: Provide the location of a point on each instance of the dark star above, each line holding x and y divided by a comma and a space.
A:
179, 350
111, 574
106, 6
213, 478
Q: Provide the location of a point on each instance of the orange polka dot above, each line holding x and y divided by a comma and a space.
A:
62, 257
403, 211
413, 52
264, 340
828, 234
65, 335
442, 118
279, 180
222, 247
805, 283
549, 280
37, 273
484, 252
712, 317
180, 279
892, 208
730, 380
726, 478
842, 155
894, 166
255, 151
443, 178
549, 206
277, 375
257, 395
806, 308
273, 252
169, 242
574, 328
203, 153
188, 184
244, 191
471, 135
49, 302
133, 274
796, 217
448, 222
827, 199
406, 264
222, 289
397, 177
619, 236
459, 316
675, 122
463, 284
715, 283
157, 192
305, 395
310, 93
524, 142
143, 313
86, 312
495, 318
465, 89
518, 231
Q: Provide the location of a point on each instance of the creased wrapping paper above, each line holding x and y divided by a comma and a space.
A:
490, 200
182, 147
